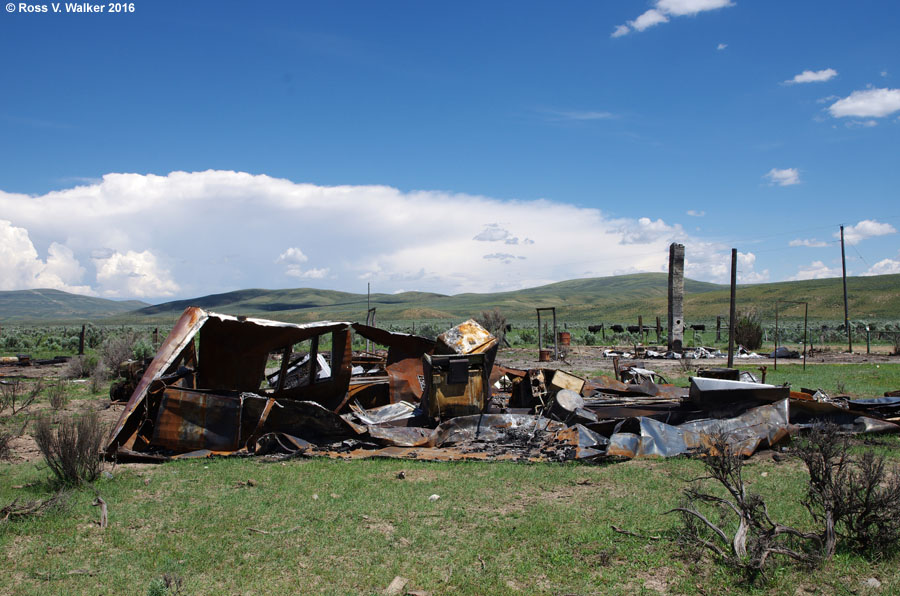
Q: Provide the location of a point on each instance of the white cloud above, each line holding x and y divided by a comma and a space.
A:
884, 267
664, 9
712, 262
695, 213
293, 258
646, 230
192, 234
861, 123
785, 177
492, 233
884, 74
133, 274
313, 273
721, 46
746, 263
292, 255
867, 228
815, 270
21, 268
690, 7
813, 76
810, 242
868, 103
648, 19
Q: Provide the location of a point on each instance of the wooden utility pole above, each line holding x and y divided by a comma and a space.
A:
846, 309
731, 311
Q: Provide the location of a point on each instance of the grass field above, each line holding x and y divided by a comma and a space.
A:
319, 526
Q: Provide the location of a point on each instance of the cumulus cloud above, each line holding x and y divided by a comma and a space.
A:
785, 177
867, 103
21, 267
192, 234
663, 10
867, 228
712, 262
884, 267
746, 265
809, 242
293, 258
721, 46
815, 270
134, 274
813, 76
292, 255
492, 233
648, 230
696, 213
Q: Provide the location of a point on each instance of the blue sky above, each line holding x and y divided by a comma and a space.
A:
188, 148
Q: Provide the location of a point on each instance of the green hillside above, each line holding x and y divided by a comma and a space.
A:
606, 299
618, 299
55, 305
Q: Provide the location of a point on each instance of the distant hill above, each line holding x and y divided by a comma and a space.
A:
618, 299
580, 297
55, 305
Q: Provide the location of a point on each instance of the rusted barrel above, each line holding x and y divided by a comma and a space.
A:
544, 355
564, 338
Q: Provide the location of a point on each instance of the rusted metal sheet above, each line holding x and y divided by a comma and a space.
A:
189, 420
230, 359
455, 385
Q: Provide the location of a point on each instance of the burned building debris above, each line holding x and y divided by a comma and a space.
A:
221, 384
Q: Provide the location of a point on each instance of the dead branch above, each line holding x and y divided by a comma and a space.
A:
635, 534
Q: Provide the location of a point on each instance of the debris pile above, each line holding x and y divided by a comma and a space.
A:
223, 385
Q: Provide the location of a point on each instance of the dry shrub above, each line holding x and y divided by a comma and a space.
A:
737, 527
854, 502
99, 377
118, 349
72, 451
15, 397
57, 395
5, 439
748, 330
79, 367
495, 322
854, 498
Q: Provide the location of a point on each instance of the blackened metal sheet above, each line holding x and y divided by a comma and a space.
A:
807, 413
399, 345
711, 392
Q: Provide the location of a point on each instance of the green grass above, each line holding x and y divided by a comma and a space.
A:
497, 529
349, 527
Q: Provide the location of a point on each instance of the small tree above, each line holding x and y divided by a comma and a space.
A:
748, 330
